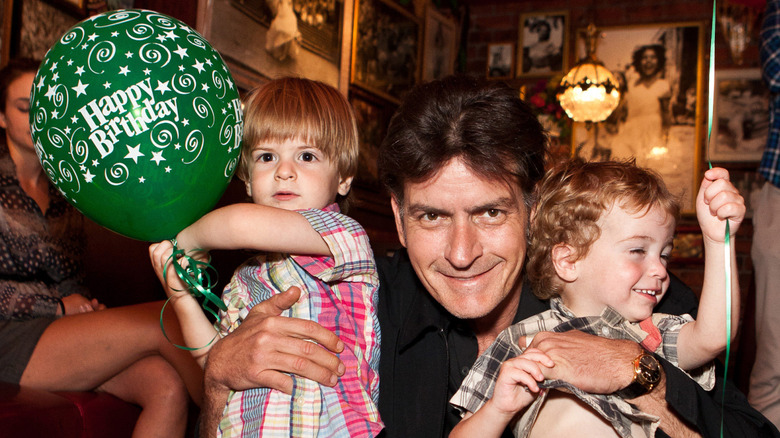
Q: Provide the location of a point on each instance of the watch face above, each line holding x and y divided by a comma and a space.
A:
649, 368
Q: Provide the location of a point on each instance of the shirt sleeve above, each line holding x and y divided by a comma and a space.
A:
351, 256
669, 326
769, 49
19, 301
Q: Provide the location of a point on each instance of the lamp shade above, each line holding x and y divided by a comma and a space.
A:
589, 92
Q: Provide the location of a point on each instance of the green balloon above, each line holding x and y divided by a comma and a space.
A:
137, 121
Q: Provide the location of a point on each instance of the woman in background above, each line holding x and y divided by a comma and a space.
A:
52, 335
646, 100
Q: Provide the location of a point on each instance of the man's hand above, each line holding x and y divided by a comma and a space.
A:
603, 366
593, 364
263, 348
266, 345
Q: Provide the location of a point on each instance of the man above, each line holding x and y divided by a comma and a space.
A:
764, 392
460, 161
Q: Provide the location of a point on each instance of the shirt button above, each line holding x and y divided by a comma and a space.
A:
465, 370
605, 331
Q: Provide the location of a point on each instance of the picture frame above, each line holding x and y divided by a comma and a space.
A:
373, 115
500, 61
666, 137
440, 45
542, 46
7, 11
741, 125
319, 23
252, 63
385, 49
76, 7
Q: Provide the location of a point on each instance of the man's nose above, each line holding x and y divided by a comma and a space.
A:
463, 246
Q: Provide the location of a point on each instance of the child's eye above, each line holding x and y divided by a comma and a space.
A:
265, 157
308, 156
638, 251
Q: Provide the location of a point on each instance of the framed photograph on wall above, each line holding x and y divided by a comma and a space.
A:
741, 123
385, 48
373, 115
440, 47
542, 43
501, 61
77, 7
319, 23
659, 70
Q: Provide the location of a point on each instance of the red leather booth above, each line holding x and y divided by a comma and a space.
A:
33, 413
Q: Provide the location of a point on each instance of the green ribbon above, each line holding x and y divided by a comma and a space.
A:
727, 240
200, 277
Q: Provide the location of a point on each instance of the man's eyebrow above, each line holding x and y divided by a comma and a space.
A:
419, 208
503, 203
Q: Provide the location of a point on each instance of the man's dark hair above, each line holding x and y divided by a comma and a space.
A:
483, 123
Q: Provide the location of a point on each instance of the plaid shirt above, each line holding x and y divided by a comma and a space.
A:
339, 293
659, 334
770, 61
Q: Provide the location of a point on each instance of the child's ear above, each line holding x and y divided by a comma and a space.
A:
248, 185
564, 259
344, 185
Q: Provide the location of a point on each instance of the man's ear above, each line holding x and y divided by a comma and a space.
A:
564, 259
399, 220
344, 185
3, 121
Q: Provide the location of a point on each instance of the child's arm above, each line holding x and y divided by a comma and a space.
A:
197, 330
702, 340
515, 389
256, 227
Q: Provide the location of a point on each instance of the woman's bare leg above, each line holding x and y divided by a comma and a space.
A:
153, 384
81, 352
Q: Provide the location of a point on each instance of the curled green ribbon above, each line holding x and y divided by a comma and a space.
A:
200, 277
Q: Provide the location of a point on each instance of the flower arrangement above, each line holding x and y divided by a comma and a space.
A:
544, 103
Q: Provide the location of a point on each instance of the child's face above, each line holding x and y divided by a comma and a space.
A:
294, 175
625, 267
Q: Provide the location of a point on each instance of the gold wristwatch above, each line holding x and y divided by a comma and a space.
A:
647, 373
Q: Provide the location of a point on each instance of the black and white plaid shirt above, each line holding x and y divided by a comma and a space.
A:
479, 384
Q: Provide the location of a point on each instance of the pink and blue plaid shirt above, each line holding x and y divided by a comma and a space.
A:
339, 293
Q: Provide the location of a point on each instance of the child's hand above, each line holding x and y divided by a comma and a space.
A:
717, 201
160, 255
516, 385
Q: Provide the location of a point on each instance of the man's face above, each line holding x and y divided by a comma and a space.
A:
466, 239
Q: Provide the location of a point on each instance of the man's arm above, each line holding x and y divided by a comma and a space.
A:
261, 350
602, 366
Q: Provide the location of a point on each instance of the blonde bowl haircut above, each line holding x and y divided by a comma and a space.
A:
571, 199
289, 108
